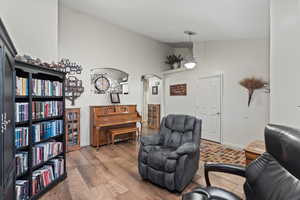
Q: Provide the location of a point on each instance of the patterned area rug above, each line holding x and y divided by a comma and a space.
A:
218, 153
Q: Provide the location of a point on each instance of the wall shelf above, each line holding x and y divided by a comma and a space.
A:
172, 71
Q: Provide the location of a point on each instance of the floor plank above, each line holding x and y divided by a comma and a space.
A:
112, 174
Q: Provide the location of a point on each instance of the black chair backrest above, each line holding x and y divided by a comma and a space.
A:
283, 143
276, 174
179, 129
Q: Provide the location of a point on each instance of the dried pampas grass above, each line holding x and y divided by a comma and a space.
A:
252, 84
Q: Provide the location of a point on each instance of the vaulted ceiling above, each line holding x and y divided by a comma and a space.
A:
165, 20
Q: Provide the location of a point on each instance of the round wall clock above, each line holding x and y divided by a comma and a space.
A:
102, 84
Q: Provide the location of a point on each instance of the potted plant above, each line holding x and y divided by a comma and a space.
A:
174, 61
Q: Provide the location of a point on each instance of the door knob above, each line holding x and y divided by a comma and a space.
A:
218, 113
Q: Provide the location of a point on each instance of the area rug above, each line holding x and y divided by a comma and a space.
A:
218, 153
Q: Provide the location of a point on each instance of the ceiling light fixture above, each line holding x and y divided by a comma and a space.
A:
190, 63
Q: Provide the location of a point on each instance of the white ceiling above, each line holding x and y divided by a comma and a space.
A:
165, 20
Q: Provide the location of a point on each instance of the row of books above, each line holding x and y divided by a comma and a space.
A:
46, 88
21, 162
21, 137
42, 177
21, 112
39, 87
22, 189
21, 86
72, 116
44, 109
45, 151
47, 130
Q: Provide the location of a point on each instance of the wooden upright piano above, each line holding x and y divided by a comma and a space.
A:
102, 118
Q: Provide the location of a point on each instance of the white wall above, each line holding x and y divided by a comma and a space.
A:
285, 62
95, 43
236, 60
33, 26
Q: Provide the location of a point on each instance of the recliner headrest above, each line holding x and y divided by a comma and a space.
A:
283, 143
180, 123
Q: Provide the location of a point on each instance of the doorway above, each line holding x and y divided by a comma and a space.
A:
209, 106
152, 98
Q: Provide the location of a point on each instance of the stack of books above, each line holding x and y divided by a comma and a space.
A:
42, 177
21, 162
45, 151
47, 130
21, 112
21, 86
44, 109
22, 192
21, 137
57, 166
46, 88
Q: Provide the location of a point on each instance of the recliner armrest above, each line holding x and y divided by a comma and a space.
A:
225, 168
150, 140
187, 148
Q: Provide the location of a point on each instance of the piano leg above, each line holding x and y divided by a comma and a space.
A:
97, 137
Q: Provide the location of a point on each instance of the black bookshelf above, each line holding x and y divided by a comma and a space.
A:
31, 71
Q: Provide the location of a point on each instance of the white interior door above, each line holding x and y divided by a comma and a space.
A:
208, 106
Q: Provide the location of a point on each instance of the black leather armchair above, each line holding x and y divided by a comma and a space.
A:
273, 176
170, 158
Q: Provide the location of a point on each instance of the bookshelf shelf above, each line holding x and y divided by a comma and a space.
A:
22, 97
46, 98
22, 175
56, 80
24, 148
24, 123
49, 139
44, 162
47, 119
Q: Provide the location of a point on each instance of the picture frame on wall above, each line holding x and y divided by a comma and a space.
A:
154, 90
115, 98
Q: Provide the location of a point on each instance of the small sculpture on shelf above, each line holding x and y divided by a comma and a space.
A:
71, 68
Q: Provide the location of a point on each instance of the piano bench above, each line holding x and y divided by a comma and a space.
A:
121, 131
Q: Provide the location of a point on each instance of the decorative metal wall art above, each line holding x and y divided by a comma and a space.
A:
109, 80
73, 88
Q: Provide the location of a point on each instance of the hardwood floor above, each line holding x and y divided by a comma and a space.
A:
111, 174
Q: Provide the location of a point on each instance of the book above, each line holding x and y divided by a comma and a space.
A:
47, 130
22, 189
21, 162
21, 112
21, 86
45, 151
21, 137
45, 109
46, 88
42, 177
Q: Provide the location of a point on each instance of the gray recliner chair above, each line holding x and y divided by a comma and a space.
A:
170, 158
